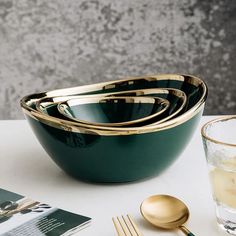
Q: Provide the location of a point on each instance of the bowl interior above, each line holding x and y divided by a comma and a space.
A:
176, 98
112, 111
195, 89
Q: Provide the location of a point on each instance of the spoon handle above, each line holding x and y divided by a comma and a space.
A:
186, 231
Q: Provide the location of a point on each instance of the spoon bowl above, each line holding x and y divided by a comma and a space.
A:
166, 212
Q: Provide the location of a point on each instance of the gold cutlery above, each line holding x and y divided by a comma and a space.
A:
125, 226
166, 212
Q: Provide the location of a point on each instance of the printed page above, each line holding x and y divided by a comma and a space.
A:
22, 216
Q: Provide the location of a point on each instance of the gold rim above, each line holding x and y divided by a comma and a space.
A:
175, 92
41, 104
63, 106
204, 127
72, 126
81, 90
46, 101
128, 81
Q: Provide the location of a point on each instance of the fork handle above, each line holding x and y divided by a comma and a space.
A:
186, 231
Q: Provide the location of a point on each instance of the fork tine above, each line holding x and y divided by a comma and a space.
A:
129, 226
135, 227
125, 226
117, 227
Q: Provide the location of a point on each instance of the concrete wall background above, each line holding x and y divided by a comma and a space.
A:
48, 44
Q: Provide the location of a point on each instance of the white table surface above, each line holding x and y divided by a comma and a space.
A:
26, 168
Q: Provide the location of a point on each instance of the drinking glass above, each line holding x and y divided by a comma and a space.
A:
219, 140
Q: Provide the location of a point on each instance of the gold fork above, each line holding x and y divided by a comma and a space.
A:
125, 226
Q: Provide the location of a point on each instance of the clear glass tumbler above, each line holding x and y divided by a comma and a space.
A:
219, 140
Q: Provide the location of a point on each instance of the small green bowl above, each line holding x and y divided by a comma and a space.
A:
113, 111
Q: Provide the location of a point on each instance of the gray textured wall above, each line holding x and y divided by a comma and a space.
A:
48, 44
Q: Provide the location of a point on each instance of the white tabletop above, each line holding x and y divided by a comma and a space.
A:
26, 168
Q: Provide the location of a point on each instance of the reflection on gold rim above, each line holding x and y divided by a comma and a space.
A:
128, 81
45, 102
204, 127
137, 92
73, 126
112, 84
102, 99
63, 106
140, 92
41, 104
86, 129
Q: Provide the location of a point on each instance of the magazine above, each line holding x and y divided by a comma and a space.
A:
22, 216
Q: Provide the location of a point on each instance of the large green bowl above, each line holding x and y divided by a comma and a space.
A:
103, 155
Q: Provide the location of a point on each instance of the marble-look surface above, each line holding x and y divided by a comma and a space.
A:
48, 44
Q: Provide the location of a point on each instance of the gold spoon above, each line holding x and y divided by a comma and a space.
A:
166, 212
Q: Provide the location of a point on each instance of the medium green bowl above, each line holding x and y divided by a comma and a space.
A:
121, 155
176, 99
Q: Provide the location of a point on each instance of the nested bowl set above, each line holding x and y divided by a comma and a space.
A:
117, 131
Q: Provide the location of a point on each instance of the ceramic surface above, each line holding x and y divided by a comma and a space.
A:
176, 98
120, 158
118, 154
194, 88
113, 111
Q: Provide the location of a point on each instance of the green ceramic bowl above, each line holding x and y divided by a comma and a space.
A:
120, 155
113, 111
176, 98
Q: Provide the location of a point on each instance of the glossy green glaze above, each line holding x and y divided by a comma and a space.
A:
117, 158
96, 158
88, 111
193, 93
111, 111
174, 108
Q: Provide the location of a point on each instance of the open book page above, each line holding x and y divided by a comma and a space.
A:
20, 216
